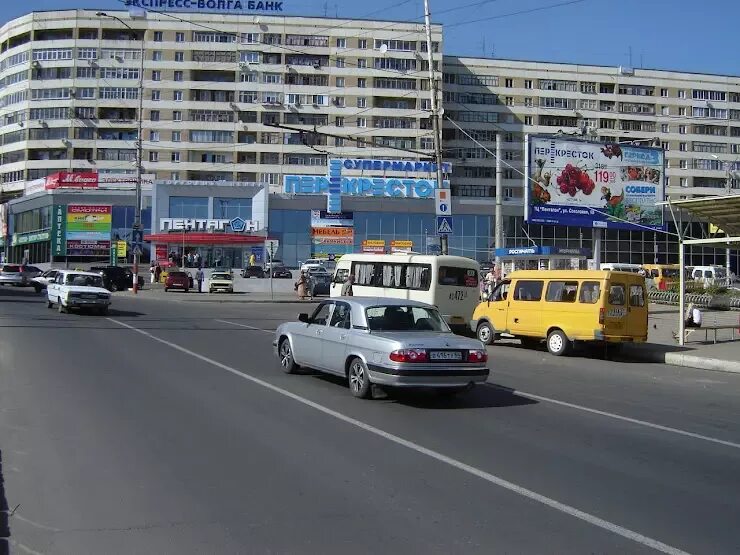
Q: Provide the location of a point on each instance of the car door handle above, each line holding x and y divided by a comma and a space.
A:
319, 332
343, 336
516, 320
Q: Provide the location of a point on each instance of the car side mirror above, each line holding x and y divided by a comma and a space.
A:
303, 317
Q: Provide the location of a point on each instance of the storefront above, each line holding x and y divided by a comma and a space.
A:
216, 224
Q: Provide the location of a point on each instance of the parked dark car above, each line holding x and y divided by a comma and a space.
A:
253, 271
319, 282
281, 272
117, 278
177, 280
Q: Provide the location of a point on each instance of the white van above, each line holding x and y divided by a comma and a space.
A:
451, 283
710, 275
620, 267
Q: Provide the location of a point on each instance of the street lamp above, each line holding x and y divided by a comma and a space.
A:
139, 148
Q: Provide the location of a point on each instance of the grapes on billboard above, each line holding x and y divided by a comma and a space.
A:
585, 184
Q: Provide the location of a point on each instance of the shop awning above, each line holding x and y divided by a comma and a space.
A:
190, 238
723, 212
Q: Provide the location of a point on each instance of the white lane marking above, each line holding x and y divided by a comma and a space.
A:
25, 548
271, 332
495, 480
620, 417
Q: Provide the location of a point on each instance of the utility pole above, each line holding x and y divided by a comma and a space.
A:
139, 145
499, 223
443, 247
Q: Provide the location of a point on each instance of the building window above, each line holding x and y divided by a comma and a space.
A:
509, 100
682, 111
179, 37
682, 129
681, 94
664, 128
528, 101
683, 182
362, 43
683, 164
340, 62
156, 55
682, 147
361, 63
179, 56
665, 146
527, 120
340, 81
175, 157
665, 111
508, 83
527, 83
339, 122
361, 122
188, 207
361, 102
154, 115
176, 136
361, 83
154, 156
175, 176
157, 36
177, 115
156, 75
178, 76
177, 96
154, 136
341, 43
664, 92
339, 101
156, 95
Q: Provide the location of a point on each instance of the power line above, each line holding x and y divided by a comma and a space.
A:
512, 14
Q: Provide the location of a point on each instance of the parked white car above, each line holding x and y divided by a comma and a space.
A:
312, 264
42, 282
79, 290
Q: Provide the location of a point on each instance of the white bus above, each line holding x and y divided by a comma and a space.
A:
448, 282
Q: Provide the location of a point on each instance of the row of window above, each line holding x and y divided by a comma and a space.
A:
568, 292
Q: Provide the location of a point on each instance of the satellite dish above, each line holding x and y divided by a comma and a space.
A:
257, 20
383, 48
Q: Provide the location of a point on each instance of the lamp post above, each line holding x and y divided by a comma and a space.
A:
139, 146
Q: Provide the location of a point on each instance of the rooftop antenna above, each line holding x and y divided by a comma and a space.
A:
630, 56
326, 8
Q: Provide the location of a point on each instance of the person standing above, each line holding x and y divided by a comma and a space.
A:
157, 273
301, 286
199, 277
152, 272
252, 260
347, 286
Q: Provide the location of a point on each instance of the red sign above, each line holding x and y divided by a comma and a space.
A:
161, 252
89, 209
72, 180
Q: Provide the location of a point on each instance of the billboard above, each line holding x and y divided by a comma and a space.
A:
88, 229
373, 245
585, 184
332, 233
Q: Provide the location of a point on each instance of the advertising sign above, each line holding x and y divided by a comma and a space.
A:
322, 218
373, 246
401, 245
332, 232
222, 6
72, 180
121, 249
362, 186
577, 183
160, 252
3, 221
88, 229
59, 230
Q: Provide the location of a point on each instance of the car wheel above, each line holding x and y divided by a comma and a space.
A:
37, 288
166, 289
359, 379
113, 287
287, 362
187, 290
558, 343
49, 304
61, 308
485, 333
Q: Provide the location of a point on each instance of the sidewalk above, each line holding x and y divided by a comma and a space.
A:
724, 356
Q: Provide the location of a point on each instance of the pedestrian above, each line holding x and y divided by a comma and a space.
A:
301, 286
152, 272
252, 260
199, 278
347, 286
157, 273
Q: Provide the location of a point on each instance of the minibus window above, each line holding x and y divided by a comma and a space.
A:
637, 297
590, 292
501, 292
341, 275
561, 292
528, 290
616, 295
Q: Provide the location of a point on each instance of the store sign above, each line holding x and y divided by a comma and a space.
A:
59, 230
71, 180
542, 251
322, 218
602, 185
209, 5
401, 246
373, 246
125, 181
407, 166
88, 229
238, 225
362, 186
3, 220
27, 238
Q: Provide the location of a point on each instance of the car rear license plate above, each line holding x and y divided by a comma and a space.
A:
445, 355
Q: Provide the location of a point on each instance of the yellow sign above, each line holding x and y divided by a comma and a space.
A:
714, 230
121, 249
402, 244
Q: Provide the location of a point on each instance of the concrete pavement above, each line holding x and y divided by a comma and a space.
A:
185, 437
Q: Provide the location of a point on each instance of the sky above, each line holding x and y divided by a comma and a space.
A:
656, 34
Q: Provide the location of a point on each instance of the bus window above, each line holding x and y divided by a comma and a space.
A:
418, 277
616, 295
364, 273
528, 290
637, 297
501, 292
458, 277
590, 292
561, 292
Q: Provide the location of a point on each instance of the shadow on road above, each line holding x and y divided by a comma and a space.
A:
4, 514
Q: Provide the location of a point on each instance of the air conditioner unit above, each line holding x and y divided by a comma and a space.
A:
36, 64
317, 66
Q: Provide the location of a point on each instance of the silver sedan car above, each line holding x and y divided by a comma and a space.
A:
389, 342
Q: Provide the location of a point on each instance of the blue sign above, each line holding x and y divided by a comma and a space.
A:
444, 225
542, 251
257, 252
212, 5
334, 194
408, 166
137, 238
361, 186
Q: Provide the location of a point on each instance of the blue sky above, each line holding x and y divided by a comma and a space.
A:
663, 34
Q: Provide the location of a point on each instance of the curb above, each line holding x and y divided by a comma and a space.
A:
225, 301
686, 360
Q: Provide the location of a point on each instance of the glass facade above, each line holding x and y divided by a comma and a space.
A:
230, 208
188, 207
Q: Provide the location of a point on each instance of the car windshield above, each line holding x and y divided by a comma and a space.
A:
404, 318
83, 280
671, 272
221, 276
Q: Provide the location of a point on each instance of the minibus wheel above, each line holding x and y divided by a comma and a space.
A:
558, 343
485, 333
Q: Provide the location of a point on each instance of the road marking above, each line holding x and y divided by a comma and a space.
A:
620, 417
495, 480
271, 332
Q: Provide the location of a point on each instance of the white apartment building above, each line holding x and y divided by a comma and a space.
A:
214, 88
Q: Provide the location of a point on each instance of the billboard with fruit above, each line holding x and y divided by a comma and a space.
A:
586, 184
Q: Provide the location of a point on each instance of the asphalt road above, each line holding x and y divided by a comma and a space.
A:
185, 437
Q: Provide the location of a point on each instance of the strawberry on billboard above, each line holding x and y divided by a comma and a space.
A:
72, 180
602, 185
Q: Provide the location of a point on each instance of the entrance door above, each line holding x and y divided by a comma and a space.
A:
498, 306
525, 310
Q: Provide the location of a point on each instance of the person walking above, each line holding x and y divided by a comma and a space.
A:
199, 277
301, 286
157, 273
347, 286
152, 272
